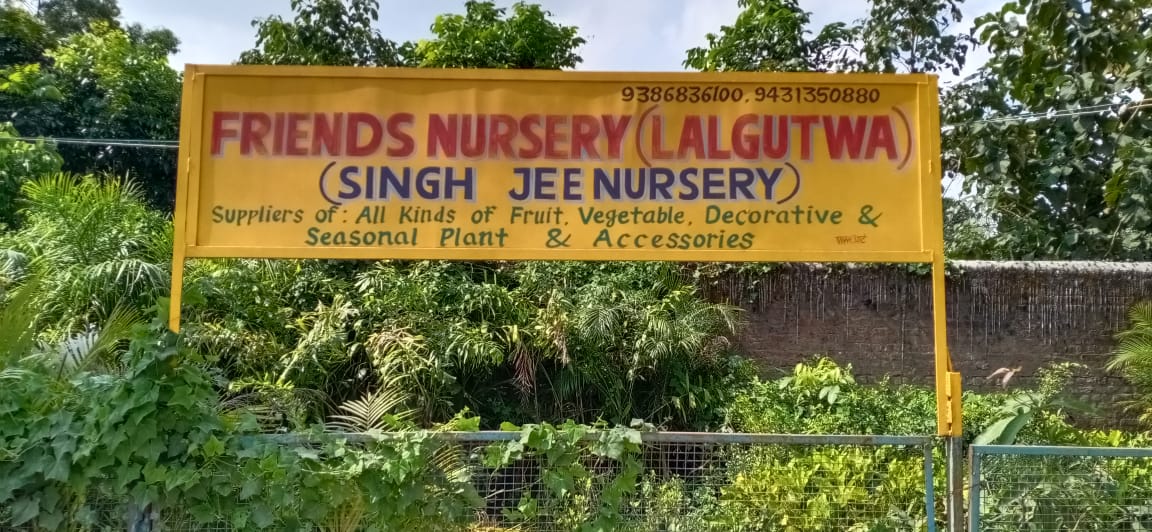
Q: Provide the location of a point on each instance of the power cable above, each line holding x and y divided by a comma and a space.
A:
1063, 113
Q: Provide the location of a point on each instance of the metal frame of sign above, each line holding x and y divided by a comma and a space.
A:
947, 380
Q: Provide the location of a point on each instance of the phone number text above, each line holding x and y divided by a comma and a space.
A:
772, 94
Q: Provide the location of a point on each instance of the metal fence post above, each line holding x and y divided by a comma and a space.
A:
974, 490
955, 504
930, 486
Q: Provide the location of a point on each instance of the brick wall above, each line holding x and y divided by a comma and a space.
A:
879, 319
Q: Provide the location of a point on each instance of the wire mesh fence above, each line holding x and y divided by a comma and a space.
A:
686, 482
1014, 488
738, 482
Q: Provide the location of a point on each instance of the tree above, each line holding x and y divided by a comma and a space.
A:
897, 36
772, 35
66, 17
20, 162
324, 32
159, 39
912, 36
95, 246
968, 233
23, 38
102, 84
1047, 134
488, 37
1132, 357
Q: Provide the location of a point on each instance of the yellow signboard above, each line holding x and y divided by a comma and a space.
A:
321, 162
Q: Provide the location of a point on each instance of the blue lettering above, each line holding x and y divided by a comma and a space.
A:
712, 181
349, 188
741, 180
545, 182
693, 191
602, 184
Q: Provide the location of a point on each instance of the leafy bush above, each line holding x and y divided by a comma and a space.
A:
523, 342
96, 245
1133, 358
824, 488
20, 162
156, 435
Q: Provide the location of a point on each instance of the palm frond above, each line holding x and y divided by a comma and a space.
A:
471, 346
17, 321
13, 267
348, 517
452, 462
324, 339
601, 322
1133, 350
132, 277
94, 345
524, 375
1140, 316
375, 411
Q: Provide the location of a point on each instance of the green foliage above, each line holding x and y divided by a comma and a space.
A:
1059, 187
1133, 358
66, 436
154, 431
897, 36
1022, 407
1078, 492
23, 38
772, 35
155, 435
103, 84
308, 39
821, 397
576, 496
96, 245
824, 488
66, 17
20, 162
912, 36
609, 341
486, 36
968, 231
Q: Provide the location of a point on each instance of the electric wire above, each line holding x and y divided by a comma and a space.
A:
1024, 117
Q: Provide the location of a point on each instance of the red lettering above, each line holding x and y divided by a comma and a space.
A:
369, 146
744, 145
615, 131
806, 122
442, 135
691, 138
219, 132
253, 128
844, 133
715, 151
503, 132
397, 132
658, 149
535, 143
881, 136
327, 138
278, 134
585, 133
775, 142
553, 136
473, 139
295, 134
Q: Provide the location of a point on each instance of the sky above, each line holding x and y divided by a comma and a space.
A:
623, 35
